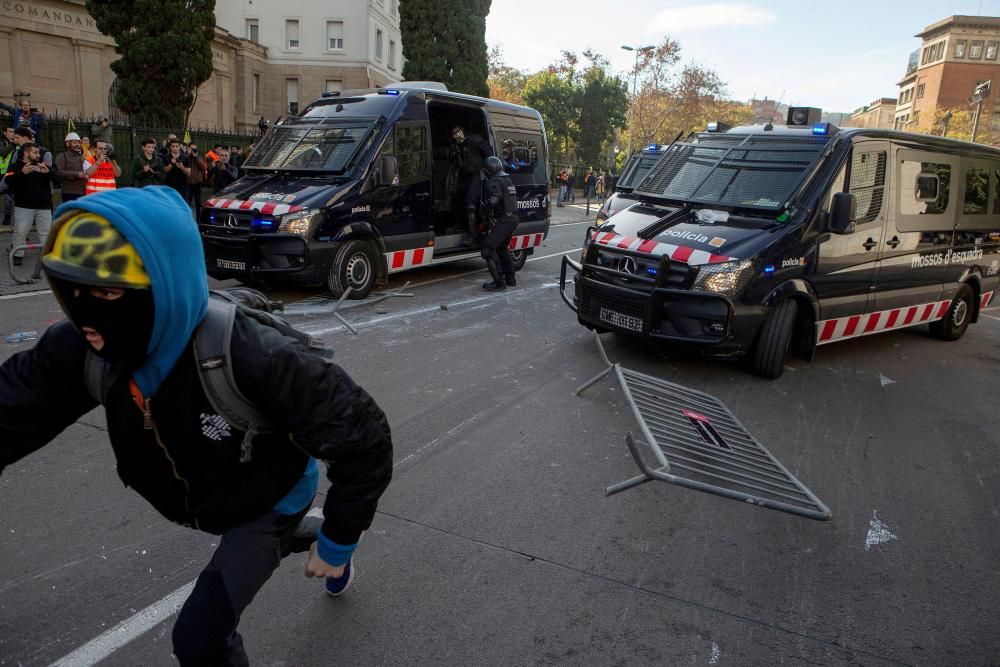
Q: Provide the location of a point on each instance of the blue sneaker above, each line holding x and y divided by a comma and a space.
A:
336, 587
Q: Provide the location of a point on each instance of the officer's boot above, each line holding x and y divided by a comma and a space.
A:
498, 283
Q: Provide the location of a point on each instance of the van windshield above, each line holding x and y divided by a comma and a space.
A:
295, 147
636, 170
755, 171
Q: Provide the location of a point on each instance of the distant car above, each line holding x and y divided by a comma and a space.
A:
635, 170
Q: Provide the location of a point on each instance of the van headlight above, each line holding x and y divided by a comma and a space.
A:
300, 222
727, 278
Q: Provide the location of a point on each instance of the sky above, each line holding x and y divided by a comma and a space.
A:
837, 56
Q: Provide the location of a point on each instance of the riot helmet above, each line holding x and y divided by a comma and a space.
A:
493, 165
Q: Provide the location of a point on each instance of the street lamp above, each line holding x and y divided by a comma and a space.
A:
635, 76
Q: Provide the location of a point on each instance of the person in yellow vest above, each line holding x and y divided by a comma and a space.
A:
102, 173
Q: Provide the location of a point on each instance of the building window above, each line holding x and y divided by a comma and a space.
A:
292, 93
960, 48
378, 44
334, 85
292, 33
255, 91
392, 54
394, 7
253, 31
991, 50
976, 50
920, 91
335, 35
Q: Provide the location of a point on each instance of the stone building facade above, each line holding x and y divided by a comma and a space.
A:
53, 50
955, 55
879, 113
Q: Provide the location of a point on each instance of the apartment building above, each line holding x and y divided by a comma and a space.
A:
878, 113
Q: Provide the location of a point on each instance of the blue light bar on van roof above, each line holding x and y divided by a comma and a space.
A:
391, 91
821, 129
653, 147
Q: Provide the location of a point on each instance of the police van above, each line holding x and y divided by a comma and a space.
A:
635, 171
360, 186
764, 239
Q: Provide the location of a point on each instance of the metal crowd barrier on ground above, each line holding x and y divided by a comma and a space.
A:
699, 444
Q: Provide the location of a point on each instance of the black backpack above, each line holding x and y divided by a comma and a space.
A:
212, 352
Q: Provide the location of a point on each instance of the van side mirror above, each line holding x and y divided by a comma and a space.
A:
388, 171
841, 220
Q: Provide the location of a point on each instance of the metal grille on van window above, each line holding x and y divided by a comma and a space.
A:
868, 184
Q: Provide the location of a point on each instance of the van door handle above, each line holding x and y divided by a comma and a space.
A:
893, 242
869, 244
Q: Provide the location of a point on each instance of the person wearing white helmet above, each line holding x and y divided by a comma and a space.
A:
72, 166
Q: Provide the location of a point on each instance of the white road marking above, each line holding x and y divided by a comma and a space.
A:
878, 532
716, 654
23, 295
513, 293
884, 380
992, 317
107, 643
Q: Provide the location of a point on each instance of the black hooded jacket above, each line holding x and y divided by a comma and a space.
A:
190, 465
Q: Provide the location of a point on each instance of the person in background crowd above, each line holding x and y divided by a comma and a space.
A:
176, 170
165, 148
599, 187
102, 130
72, 166
570, 185
23, 135
88, 150
24, 116
104, 170
31, 182
196, 178
147, 168
8, 149
236, 158
561, 180
221, 174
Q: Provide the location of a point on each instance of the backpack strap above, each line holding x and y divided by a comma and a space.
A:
99, 375
213, 356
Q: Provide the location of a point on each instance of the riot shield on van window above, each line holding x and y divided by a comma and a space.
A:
698, 443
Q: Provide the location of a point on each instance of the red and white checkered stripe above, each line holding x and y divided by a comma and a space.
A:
265, 207
526, 241
400, 260
677, 253
985, 300
829, 331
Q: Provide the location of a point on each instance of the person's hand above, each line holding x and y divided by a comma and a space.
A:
29, 168
317, 567
146, 168
44, 168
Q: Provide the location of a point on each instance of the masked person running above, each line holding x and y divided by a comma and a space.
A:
128, 270
501, 213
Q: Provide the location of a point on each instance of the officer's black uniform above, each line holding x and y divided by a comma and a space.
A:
500, 213
468, 156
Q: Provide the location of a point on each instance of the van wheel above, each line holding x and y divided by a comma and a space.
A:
775, 339
956, 321
519, 257
354, 267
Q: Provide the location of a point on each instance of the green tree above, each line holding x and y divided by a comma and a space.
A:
603, 104
505, 83
445, 41
553, 95
166, 53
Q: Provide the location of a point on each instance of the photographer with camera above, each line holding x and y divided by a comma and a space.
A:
147, 168
175, 169
102, 173
30, 181
102, 130
222, 173
24, 116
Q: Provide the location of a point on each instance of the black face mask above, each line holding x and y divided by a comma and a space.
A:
126, 324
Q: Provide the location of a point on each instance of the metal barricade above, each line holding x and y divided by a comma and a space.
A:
36, 272
699, 444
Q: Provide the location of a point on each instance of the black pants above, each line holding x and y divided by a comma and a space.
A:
205, 632
194, 196
69, 197
472, 189
495, 246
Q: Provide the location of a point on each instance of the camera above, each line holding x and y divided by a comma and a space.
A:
109, 151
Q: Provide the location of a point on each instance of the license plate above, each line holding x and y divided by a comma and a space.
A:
231, 265
621, 320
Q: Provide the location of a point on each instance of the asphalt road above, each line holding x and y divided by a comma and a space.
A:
495, 543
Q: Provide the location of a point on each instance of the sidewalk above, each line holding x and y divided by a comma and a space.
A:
568, 213
8, 285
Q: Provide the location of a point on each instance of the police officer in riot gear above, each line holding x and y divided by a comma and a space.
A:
467, 156
500, 215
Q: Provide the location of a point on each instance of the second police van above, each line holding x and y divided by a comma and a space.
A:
768, 239
360, 186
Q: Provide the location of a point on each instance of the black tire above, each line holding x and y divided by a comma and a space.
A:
956, 321
353, 266
519, 257
774, 340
